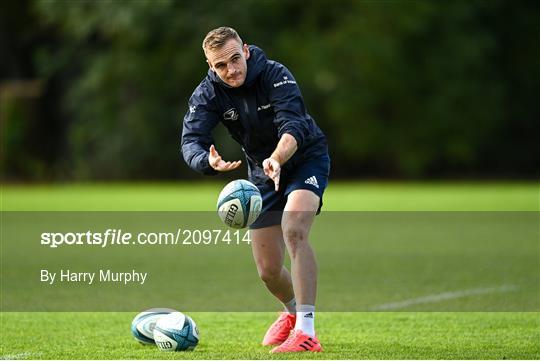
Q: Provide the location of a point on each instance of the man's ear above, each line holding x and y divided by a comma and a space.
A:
245, 49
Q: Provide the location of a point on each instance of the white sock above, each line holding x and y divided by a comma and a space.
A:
290, 306
305, 319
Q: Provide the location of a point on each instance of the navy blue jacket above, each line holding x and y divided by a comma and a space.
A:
256, 114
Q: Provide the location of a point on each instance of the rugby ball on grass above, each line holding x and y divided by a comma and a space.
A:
176, 332
142, 326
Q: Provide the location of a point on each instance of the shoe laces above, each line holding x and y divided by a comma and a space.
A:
290, 340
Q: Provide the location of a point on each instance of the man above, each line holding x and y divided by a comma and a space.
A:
259, 102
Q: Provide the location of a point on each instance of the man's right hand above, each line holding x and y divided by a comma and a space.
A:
215, 161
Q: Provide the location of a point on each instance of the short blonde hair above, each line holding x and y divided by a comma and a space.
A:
216, 38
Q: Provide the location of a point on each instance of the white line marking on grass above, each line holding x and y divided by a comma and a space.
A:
444, 296
17, 356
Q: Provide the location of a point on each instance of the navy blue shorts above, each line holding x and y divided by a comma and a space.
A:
311, 175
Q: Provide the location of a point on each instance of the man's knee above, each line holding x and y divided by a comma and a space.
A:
269, 273
295, 235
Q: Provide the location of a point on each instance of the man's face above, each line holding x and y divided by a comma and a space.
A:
229, 62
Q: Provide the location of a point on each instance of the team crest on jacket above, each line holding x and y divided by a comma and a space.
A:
231, 114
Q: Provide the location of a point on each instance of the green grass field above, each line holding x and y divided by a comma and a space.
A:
348, 196
238, 335
409, 334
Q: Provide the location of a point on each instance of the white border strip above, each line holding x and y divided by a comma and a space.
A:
443, 297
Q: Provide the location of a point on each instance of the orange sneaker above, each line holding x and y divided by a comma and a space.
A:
280, 329
299, 342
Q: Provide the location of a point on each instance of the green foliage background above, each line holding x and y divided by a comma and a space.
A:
401, 88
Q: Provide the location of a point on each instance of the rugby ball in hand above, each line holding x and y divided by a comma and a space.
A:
239, 204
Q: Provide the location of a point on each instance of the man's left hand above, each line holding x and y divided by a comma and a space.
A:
272, 169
